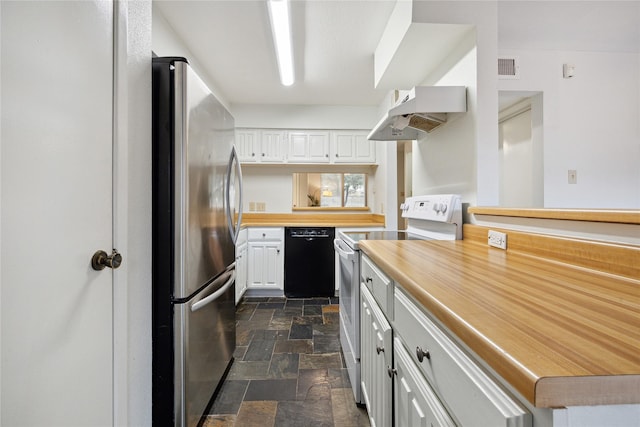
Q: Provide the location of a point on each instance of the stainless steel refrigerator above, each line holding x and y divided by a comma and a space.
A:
196, 214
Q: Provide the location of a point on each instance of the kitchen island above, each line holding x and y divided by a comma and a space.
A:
556, 334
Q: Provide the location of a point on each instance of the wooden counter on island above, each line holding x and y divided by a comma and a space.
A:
560, 334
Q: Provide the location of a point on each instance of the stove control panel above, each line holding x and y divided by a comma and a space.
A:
440, 208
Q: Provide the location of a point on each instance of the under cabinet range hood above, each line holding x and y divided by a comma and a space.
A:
423, 109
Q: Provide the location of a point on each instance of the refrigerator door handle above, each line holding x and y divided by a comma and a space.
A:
214, 296
234, 159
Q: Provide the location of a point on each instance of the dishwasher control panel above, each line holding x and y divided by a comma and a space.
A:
309, 232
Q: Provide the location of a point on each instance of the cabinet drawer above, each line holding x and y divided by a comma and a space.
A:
470, 394
379, 284
265, 233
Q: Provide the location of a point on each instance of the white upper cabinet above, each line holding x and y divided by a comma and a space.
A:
260, 145
272, 145
308, 147
305, 146
352, 146
247, 144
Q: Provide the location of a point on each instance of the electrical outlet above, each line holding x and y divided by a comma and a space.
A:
252, 206
572, 176
261, 206
497, 239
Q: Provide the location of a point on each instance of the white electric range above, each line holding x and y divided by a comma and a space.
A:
431, 217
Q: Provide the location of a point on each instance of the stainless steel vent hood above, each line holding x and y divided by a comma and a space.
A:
423, 109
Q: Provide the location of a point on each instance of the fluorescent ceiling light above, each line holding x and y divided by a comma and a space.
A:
281, 28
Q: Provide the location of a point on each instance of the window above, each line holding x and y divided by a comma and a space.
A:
330, 190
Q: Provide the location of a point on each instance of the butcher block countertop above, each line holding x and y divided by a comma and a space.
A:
560, 334
312, 220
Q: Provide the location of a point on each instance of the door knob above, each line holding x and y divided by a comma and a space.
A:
101, 259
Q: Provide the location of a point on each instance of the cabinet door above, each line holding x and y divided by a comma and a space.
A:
375, 360
247, 145
365, 150
271, 145
415, 403
241, 271
319, 147
272, 270
265, 265
308, 147
352, 147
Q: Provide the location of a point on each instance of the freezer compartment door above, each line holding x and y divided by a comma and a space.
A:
205, 342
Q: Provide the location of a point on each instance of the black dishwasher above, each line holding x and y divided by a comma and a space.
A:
309, 262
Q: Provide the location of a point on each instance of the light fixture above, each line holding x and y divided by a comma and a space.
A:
281, 29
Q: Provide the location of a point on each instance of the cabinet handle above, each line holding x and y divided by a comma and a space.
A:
262, 154
253, 154
368, 279
391, 371
337, 155
379, 349
326, 155
278, 251
421, 354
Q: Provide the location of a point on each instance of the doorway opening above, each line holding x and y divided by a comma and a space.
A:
521, 149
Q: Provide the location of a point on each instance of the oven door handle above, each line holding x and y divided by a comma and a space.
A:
346, 254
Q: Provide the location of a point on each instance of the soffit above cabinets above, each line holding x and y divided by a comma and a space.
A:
409, 50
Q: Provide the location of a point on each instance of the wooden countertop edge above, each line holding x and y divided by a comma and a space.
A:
326, 220
457, 325
541, 391
555, 392
623, 216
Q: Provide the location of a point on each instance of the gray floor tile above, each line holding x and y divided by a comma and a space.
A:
230, 397
284, 365
325, 344
259, 349
271, 390
288, 368
308, 414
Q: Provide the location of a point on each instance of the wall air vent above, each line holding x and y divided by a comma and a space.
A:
508, 68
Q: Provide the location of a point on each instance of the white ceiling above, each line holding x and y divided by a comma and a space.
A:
335, 41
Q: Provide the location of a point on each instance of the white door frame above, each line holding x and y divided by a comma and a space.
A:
120, 194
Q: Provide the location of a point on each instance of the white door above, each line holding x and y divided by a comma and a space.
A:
56, 177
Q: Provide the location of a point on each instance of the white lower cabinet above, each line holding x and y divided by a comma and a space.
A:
415, 404
265, 263
413, 374
375, 360
241, 265
471, 396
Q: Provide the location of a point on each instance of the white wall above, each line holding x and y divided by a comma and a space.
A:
590, 125
165, 42
444, 161
134, 205
304, 116
462, 156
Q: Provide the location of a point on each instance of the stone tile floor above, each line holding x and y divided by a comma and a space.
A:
288, 369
